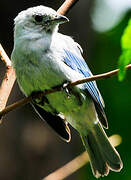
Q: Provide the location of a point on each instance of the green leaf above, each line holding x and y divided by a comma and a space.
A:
124, 60
125, 57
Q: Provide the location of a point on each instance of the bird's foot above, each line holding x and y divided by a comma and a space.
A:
65, 87
43, 99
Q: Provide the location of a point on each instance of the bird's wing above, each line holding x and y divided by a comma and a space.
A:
58, 123
77, 63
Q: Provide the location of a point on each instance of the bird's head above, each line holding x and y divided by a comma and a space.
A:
38, 19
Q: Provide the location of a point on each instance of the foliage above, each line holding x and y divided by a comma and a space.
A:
125, 57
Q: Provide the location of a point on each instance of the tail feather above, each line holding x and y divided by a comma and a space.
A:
109, 152
97, 160
102, 154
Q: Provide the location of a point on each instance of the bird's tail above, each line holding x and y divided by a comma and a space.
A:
102, 154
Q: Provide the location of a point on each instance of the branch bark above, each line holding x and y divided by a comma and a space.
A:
66, 6
77, 163
53, 90
99, 76
4, 57
8, 80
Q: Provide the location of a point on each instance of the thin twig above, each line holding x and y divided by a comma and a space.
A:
40, 94
99, 76
66, 6
77, 163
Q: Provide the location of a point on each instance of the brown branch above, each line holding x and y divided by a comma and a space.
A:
8, 80
99, 76
41, 94
66, 6
77, 163
4, 57
6, 86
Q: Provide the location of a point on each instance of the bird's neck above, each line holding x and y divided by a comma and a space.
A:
42, 39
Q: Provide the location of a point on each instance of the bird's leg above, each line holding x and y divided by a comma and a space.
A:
41, 101
65, 87
72, 91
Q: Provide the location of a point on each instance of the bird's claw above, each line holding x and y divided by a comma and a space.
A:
40, 100
66, 89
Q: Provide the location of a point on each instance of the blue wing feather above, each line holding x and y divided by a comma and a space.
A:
78, 64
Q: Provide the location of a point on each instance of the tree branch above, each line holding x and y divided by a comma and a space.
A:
66, 6
8, 80
53, 90
100, 76
77, 163
4, 57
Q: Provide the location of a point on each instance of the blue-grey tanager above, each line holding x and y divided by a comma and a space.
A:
43, 58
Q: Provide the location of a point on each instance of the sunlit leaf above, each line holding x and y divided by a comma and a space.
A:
125, 57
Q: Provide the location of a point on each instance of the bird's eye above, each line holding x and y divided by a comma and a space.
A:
38, 18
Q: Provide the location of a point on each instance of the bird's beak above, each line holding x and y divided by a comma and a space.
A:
59, 19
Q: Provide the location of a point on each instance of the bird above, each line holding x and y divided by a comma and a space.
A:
43, 59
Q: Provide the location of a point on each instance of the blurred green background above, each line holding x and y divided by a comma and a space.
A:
29, 149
